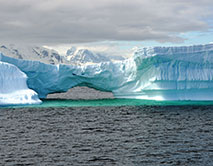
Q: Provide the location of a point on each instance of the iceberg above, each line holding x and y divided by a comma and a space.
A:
14, 88
155, 73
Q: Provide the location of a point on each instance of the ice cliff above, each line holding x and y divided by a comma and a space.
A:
13, 85
155, 73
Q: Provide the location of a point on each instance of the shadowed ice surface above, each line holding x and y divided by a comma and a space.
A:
130, 135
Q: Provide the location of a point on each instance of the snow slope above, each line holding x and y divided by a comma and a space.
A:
159, 73
13, 87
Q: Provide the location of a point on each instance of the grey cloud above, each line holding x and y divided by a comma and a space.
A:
73, 21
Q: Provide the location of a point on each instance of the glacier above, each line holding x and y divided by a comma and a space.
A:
14, 88
153, 73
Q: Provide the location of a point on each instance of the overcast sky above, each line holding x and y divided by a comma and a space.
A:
56, 22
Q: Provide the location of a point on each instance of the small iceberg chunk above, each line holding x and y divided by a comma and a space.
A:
13, 87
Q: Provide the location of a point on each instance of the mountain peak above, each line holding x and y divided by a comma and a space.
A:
83, 56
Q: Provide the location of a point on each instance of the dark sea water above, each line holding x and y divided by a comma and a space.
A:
150, 134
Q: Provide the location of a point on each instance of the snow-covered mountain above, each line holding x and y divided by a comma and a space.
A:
86, 56
73, 56
83, 56
35, 53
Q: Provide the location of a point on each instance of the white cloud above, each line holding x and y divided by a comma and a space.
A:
73, 21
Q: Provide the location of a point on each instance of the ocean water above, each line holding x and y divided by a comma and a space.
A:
107, 132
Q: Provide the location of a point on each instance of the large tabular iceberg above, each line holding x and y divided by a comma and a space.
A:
159, 73
13, 85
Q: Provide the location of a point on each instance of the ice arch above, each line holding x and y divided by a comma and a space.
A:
160, 73
46, 78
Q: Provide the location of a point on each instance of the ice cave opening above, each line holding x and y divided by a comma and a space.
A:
82, 93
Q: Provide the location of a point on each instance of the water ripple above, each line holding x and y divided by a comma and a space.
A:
145, 135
